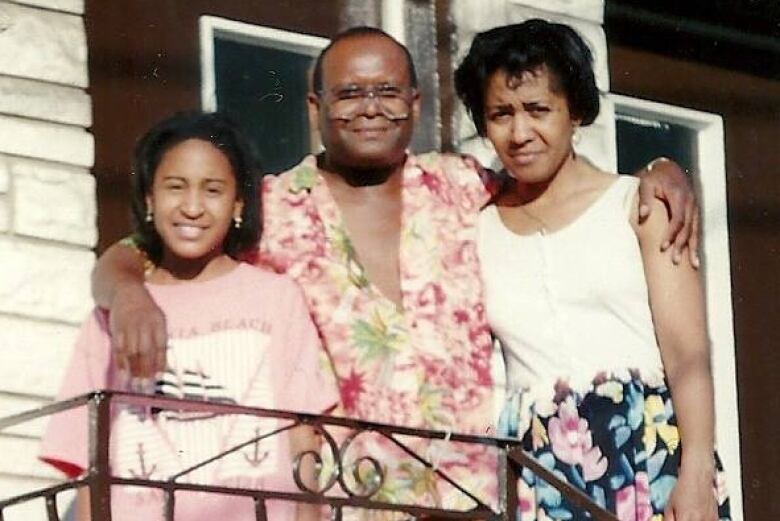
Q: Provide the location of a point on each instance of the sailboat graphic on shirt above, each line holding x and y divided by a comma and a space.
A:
195, 371
227, 367
191, 384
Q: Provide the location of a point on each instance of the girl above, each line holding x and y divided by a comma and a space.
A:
236, 335
592, 315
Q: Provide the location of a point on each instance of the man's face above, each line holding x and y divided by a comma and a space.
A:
369, 138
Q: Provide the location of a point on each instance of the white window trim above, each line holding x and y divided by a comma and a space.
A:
717, 272
211, 26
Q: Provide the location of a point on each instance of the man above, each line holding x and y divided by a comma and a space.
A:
382, 243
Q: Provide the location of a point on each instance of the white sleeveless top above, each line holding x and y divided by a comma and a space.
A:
569, 304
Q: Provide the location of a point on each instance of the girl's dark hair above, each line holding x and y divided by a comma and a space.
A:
225, 135
525, 47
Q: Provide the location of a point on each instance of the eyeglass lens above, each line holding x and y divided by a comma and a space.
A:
347, 103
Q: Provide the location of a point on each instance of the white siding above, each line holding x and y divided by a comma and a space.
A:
47, 221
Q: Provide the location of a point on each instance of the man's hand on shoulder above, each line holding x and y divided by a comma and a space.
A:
136, 324
663, 179
138, 334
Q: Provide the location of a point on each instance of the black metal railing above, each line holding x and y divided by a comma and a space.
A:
334, 490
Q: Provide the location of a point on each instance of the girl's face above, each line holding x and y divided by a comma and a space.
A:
194, 201
529, 125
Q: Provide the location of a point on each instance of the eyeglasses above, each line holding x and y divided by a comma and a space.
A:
394, 102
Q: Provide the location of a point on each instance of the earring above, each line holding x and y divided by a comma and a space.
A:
148, 217
576, 137
237, 221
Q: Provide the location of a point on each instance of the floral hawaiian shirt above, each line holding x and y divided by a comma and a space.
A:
426, 365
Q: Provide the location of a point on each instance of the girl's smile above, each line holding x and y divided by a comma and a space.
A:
190, 232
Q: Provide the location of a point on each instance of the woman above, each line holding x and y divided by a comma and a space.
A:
593, 317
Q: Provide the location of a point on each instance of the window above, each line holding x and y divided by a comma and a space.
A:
259, 76
641, 139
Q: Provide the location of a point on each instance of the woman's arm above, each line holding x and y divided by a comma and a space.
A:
136, 323
678, 308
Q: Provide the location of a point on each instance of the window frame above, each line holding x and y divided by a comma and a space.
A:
710, 185
211, 27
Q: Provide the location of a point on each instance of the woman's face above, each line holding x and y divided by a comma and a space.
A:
529, 124
193, 201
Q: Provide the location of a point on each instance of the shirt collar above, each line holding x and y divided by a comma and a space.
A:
306, 175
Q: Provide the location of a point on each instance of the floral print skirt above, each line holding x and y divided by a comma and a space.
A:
618, 442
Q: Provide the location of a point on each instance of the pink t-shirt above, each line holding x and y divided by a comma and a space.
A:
246, 338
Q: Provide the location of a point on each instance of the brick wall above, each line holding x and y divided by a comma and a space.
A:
47, 218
